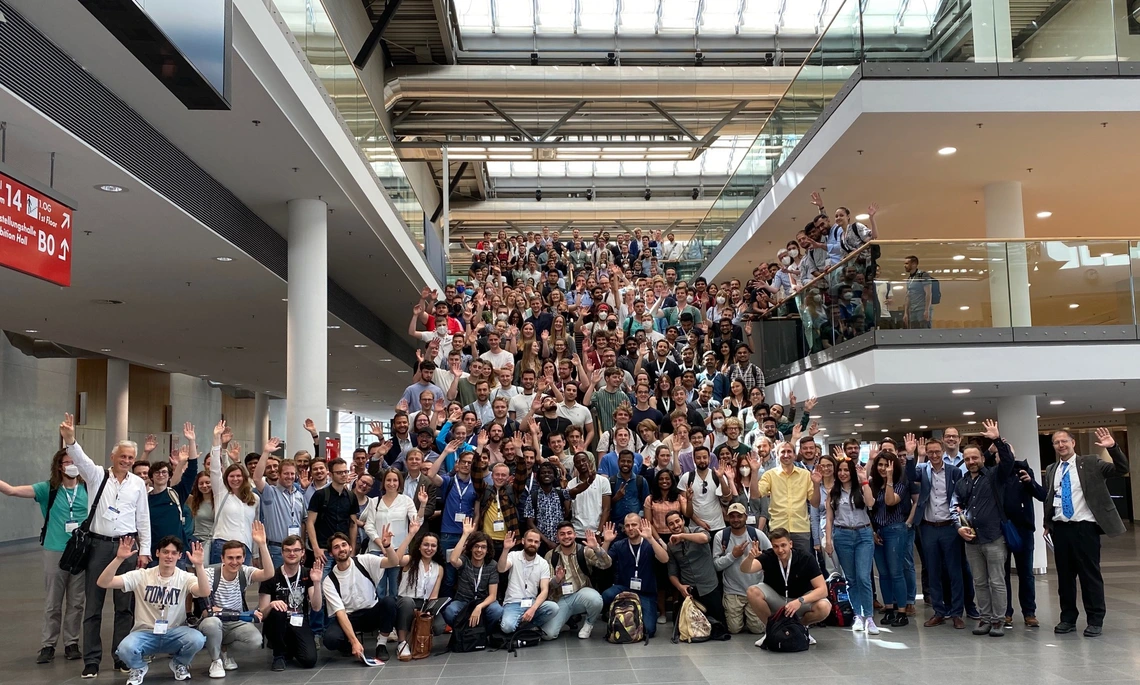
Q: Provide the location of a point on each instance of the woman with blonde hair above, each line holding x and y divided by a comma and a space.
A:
236, 511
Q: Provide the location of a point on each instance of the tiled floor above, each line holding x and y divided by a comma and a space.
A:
911, 655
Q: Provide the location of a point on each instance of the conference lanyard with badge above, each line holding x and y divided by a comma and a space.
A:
71, 523
528, 601
635, 581
295, 522
785, 572
460, 516
296, 599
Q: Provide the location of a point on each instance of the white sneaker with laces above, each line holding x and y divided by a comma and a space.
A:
760, 642
180, 671
405, 649
857, 625
137, 675
872, 629
811, 640
217, 669
585, 631
228, 663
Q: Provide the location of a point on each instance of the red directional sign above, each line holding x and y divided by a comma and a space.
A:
35, 230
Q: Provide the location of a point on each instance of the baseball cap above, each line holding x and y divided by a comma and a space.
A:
737, 508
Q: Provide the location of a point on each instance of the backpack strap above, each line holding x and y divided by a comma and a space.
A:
47, 517
217, 568
360, 567
177, 504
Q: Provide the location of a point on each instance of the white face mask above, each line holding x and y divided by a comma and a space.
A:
720, 301
786, 261
794, 252
718, 423
745, 471
441, 331
71, 470
689, 299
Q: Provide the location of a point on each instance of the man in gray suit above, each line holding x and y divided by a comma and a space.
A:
1078, 510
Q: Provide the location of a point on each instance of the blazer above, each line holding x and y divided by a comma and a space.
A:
923, 474
1093, 474
1018, 497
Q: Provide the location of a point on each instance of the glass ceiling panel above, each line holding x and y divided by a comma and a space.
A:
638, 17
514, 16
679, 16
719, 18
554, 16
474, 16
594, 16
721, 159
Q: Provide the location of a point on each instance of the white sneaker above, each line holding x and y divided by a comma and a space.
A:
857, 625
180, 671
811, 640
137, 675
228, 663
760, 642
872, 629
217, 669
585, 631
405, 650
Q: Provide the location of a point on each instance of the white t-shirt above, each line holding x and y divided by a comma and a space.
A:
228, 595
157, 597
500, 359
356, 591
525, 577
377, 514
578, 415
520, 405
706, 505
445, 344
425, 582
587, 506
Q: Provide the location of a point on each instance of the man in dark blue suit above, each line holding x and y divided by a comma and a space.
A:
941, 544
1021, 488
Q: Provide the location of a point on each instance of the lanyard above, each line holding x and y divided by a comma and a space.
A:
636, 557
526, 571
462, 490
294, 587
661, 366
785, 572
425, 582
70, 495
479, 578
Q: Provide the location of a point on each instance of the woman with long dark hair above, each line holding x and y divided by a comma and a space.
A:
890, 513
201, 503
849, 536
664, 498
421, 574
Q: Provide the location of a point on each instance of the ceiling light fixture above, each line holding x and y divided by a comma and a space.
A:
160, 364
401, 371
905, 420
862, 217
1044, 215
1119, 409
110, 188
333, 327
960, 391
385, 360
224, 259
348, 389
970, 423
1056, 402
883, 430
947, 151
1106, 255
969, 413
360, 346
1074, 305
858, 425
105, 349
959, 257
965, 308
31, 330
870, 406
922, 427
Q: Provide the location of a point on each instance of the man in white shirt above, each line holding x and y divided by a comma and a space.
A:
496, 355
519, 406
228, 581
350, 595
482, 405
703, 488
590, 495
120, 510
528, 586
578, 415
159, 595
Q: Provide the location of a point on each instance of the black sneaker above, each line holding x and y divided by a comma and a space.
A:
278, 664
900, 620
46, 655
122, 667
381, 653
90, 671
71, 652
889, 617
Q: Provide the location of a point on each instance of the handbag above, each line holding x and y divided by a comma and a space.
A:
421, 637
78, 549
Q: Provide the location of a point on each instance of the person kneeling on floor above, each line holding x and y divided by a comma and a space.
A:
285, 601
528, 585
350, 596
160, 606
572, 588
792, 582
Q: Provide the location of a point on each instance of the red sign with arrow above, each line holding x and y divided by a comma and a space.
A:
35, 230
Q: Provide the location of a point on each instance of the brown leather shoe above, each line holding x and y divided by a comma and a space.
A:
1032, 622
877, 605
935, 621
909, 610
959, 624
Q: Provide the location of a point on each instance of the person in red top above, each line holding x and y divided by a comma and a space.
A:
439, 309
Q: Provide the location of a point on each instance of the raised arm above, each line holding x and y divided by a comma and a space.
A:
259, 470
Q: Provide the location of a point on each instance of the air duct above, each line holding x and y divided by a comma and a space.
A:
602, 209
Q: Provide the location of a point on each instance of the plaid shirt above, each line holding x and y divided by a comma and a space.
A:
506, 505
750, 375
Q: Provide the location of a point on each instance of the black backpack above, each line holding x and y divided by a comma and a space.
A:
467, 638
525, 635
726, 535
842, 615
785, 634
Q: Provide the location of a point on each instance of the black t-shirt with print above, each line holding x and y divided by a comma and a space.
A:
278, 589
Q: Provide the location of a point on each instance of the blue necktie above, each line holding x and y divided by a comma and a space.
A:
1066, 491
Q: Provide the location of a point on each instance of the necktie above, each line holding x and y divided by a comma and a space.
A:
1066, 491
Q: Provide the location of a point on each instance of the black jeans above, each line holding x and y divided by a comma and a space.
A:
380, 617
1026, 592
1076, 550
713, 602
290, 641
102, 553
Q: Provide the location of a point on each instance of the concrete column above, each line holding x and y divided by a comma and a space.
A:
260, 420
307, 334
993, 36
118, 394
1008, 265
1017, 421
1132, 425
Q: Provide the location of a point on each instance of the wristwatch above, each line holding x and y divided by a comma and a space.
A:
800, 599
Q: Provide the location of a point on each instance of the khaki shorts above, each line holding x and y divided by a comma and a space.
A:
738, 615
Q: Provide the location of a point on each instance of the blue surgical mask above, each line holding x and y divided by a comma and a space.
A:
460, 289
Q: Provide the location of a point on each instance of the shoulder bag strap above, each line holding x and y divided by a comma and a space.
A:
94, 505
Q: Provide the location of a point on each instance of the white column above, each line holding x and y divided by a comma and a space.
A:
993, 35
118, 394
1132, 425
1008, 265
260, 420
1017, 421
334, 421
307, 333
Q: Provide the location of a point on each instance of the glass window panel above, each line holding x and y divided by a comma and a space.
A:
687, 167
879, 15
552, 168
594, 16
760, 16
608, 168
473, 16
514, 16
579, 168
555, 16
919, 15
716, 160
634, 168
524, 168
638, 17
802, 16
661, 168
679, 16
719, 18
500, 169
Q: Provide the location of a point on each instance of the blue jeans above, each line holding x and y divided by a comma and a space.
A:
275, 554
492, 613
513, 611
890, 560
856, 549
586, 601
447, 541
648, 606
216, 552
389, 585
181, 643
942, 551
1026, 593
909, 576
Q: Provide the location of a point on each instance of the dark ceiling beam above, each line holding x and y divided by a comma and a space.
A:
377, 31
450, 189
672, 120
514, 124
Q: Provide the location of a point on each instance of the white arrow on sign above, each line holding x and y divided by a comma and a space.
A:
63, 247
66, 220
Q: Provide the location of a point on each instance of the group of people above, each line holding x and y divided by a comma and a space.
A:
574, 439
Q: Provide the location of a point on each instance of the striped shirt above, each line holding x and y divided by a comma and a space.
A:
604, 403
882, 515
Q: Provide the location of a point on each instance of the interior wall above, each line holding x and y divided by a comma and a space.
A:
1083, 30
34, 394
91, 378
239, 416
194, 400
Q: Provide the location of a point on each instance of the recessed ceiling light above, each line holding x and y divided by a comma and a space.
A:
854, 432
360, 346
105, 349
204, 375
947, 151
965, 307
333, 327
284, 299
348, 389
1074, 305
160, 364
970, 423
922, 427
401, 370
224, 259
898, 287
883, 430
110, 188
1056, 402
905, 420
959, 257
31, 330
960, 391
862, 217
870, 406
858, 425
385, 361
1044, 215
1119, 409
969, 413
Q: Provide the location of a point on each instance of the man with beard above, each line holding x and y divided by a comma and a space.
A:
499, 507
591, 497
571, 587
350, 594
528, 585
548, 421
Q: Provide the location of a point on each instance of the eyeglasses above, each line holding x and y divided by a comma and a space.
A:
340, 473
